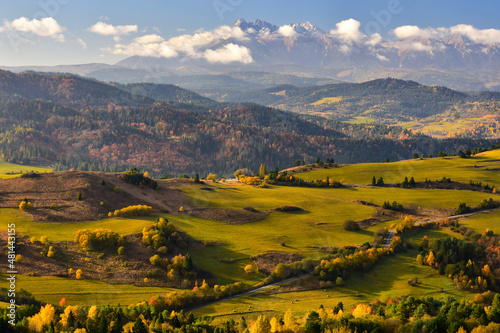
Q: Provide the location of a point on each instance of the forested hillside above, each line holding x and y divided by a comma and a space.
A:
68, 121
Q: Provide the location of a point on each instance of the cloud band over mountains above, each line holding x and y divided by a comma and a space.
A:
235, 43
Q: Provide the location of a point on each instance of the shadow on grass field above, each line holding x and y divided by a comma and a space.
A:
388, 279
17, 169
83, 292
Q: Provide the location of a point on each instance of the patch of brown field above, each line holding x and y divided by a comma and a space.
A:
104, 264
267, 262
239, 216
61, 189
230, 216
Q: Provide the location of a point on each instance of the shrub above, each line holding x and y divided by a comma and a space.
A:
339, 281
116, 189
350, 225
137, 210
121, 250
103, 183
33, 240
181, 209
44, 240
146, 280
25, 205
155, 260
79, 196
212, 177
79, 274
19, 258
96, 239
249, 269
101, 203
71, 271
51, 253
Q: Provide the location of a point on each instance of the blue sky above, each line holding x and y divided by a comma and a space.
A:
57, 31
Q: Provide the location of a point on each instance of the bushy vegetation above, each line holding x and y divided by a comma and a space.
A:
134, 176
136, 210
179, 267
393, 206
97, 239
25, 205
162, 235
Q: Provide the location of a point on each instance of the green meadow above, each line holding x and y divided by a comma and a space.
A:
64, 231
387, 279
9, 170
319, 224
51, 289
480, 168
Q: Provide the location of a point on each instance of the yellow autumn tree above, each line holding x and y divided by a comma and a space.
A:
362, 310
289, 320
146, 174
275, 325
44, 317
64, 316
261, 325
92, 312
431, 258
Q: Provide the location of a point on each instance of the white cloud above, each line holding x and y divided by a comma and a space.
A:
229, 53
484, 36
287, 31
381, 57
45, 27
181, 29
148, 39
105, 29
197, 46
348, 30
417, 46
82, 43
158, 50
344, 48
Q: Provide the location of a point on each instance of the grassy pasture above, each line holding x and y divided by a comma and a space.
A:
482, 167
327, 100
64, 231
17, 169
480, 222
388, 279
83, 292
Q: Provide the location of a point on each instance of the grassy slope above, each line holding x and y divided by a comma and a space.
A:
482, 221
389, 279
17, 168
83, 292
64, 231
481, 167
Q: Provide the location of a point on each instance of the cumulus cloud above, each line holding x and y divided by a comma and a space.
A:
141, 48
287, 31
484, 36
198, 46
45, 27
417, 46
82, 43
381, 57
106, 29
348, 30
147, 39
229, 53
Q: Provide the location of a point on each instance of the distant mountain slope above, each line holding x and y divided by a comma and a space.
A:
382, 98
64, 89
69, 121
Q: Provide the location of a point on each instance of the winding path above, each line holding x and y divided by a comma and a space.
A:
387, 242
